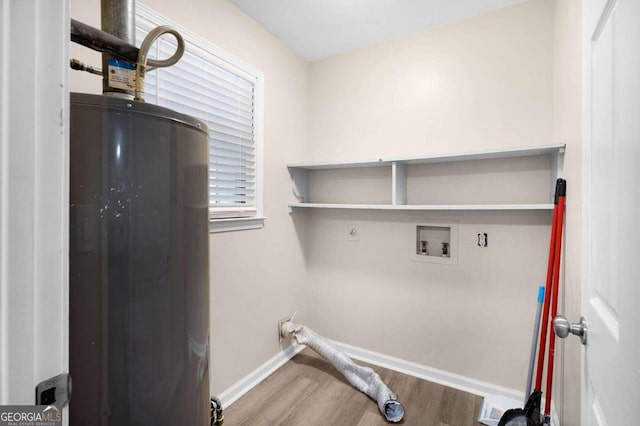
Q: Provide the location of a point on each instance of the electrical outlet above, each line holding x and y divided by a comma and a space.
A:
353, 233
483, 239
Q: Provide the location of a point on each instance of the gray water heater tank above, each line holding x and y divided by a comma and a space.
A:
139, 265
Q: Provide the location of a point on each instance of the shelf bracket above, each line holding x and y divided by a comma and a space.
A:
300, 183
398, 183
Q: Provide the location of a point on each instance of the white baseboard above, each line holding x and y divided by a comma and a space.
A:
555, 421
420, 371
244, 385
452, 380
456, 381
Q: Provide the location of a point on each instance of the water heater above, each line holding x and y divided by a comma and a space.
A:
139, 265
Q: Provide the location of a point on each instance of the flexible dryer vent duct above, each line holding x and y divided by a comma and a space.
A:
362, 378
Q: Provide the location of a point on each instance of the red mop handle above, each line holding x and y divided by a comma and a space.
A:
547, 298
561, 190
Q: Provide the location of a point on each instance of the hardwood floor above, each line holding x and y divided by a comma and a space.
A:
308, 391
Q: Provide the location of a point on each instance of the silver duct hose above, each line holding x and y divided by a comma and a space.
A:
144, 62
364, 379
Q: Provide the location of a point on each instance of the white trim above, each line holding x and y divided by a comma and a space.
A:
251, 380
34, 203
259, 129
236, 224
420, 371
555, 420
589, 14
5, 26
452, 380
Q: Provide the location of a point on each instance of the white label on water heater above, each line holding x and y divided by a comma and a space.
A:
121, 74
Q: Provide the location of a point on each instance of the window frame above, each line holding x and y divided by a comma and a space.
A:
236, 223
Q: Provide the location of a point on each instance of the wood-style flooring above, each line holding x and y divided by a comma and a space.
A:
308, 391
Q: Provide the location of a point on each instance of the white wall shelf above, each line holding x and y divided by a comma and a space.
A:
422, 207
300, 179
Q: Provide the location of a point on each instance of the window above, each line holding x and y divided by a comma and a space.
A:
225, 93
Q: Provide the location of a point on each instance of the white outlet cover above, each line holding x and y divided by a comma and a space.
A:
353, 232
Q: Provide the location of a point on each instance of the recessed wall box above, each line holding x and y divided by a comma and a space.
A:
436, 243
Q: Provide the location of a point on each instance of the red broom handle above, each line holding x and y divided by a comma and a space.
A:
547, 298
554, 306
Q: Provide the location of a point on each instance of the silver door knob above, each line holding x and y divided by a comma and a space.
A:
563, 327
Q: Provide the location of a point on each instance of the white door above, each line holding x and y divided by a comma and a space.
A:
611, 227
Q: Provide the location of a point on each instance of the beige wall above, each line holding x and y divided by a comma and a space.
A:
486, 82
567, 70
503, 79
481, 83
257, 277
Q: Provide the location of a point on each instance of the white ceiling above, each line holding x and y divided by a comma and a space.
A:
317, 29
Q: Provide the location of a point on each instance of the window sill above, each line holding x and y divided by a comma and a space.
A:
235, 224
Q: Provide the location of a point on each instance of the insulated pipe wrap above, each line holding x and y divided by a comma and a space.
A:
362, 378
102, 41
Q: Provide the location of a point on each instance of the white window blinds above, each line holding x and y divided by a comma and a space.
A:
223, 96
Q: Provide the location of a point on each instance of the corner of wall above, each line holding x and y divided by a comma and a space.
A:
567, 129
